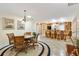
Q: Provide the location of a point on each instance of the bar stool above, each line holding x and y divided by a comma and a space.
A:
61, 35
65, 35
52, 34
58, 35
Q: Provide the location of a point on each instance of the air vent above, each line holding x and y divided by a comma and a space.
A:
71, 4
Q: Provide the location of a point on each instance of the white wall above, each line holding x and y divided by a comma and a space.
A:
29, 26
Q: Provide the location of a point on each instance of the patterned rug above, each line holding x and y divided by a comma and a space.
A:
41, 50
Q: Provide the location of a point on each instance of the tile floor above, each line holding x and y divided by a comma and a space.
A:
58, 47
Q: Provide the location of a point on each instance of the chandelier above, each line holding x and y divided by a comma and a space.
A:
27, 18
24, 16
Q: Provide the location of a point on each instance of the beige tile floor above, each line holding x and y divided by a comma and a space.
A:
58, 47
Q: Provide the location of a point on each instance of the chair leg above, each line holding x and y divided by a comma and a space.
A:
34, 45
25, 50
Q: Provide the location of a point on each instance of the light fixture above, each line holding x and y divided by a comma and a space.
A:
29, 16
24, 16
22, 22
19, 19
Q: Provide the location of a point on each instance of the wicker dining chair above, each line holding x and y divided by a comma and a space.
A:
34, 41
19, 43
11, 38
28, 33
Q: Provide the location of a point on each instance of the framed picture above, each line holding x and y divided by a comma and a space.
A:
7, 24
20, 25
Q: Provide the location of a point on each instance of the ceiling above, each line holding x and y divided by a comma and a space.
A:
40, 10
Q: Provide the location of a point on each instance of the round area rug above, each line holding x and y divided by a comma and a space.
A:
29, 52
39, 50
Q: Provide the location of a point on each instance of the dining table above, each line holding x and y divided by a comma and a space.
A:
28, 38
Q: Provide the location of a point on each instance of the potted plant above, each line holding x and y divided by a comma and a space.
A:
34, 34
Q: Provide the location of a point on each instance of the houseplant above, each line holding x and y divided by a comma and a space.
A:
34, 34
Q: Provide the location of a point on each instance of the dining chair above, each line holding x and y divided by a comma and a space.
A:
28, 33
11, 38
19, 43
36, 38
34, 41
